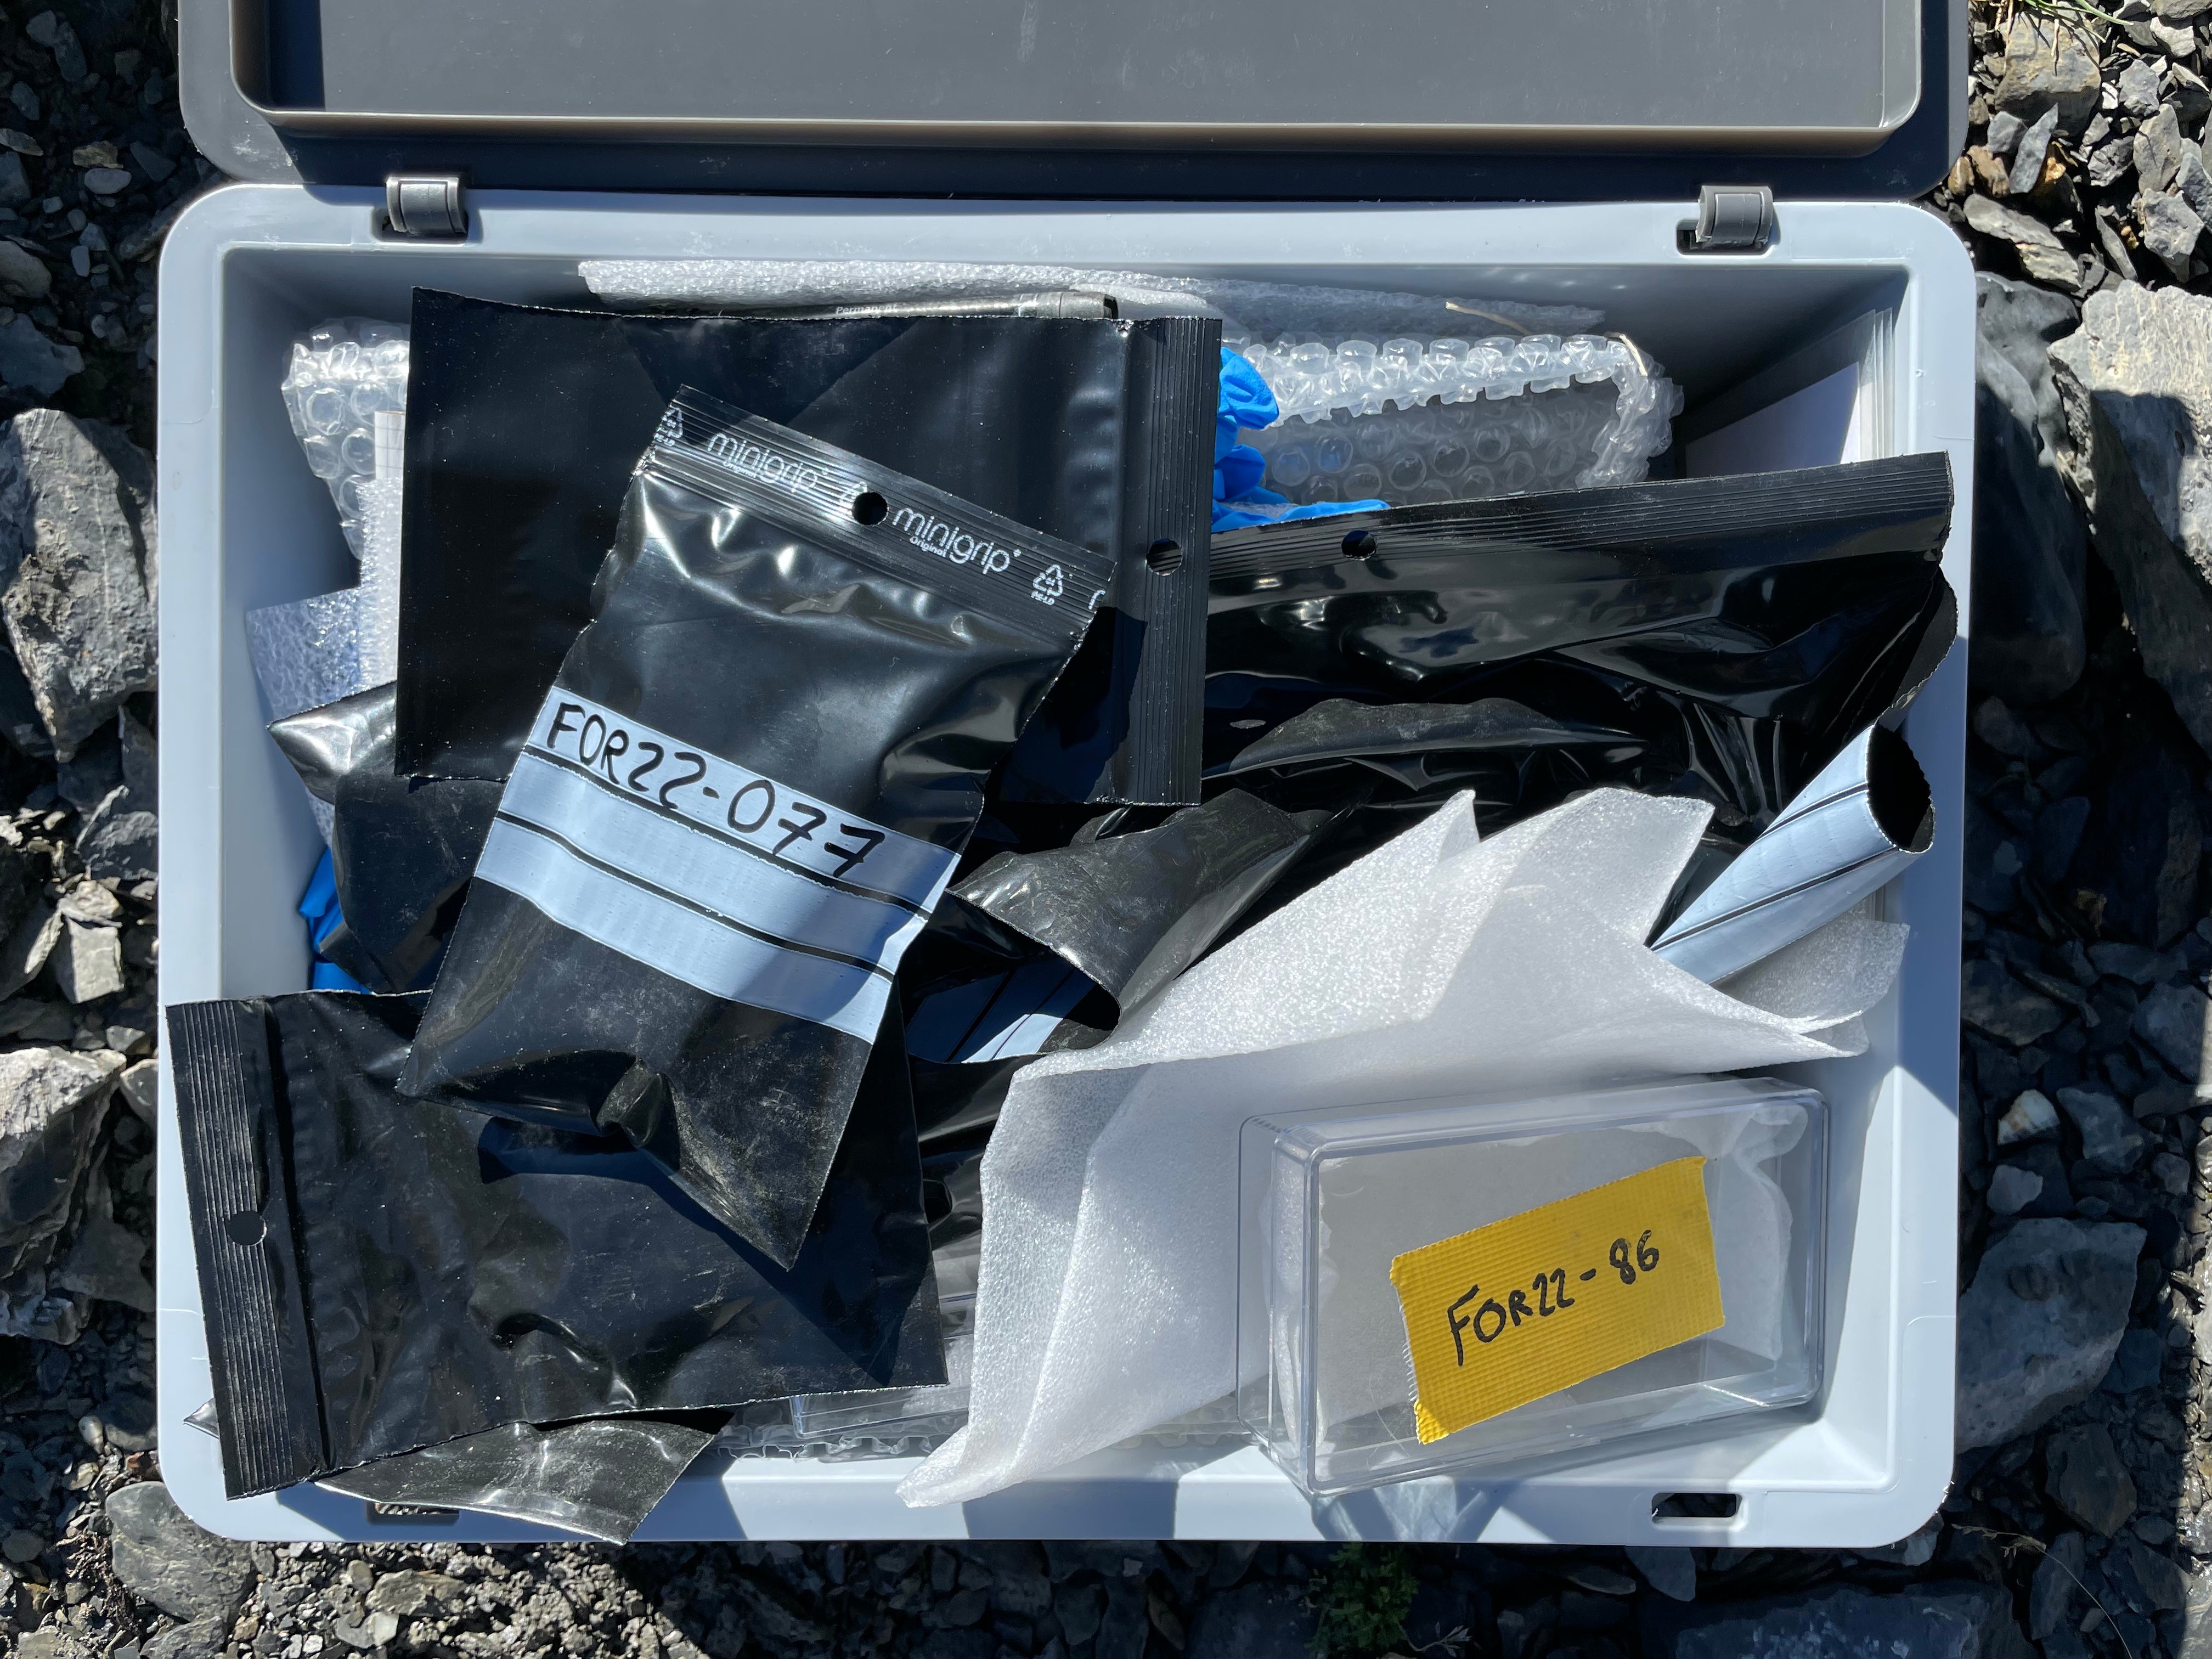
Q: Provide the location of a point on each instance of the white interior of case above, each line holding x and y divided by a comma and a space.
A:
1852, 336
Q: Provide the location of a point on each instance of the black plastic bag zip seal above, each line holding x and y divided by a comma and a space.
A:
1811, 513
258, 1344
902, 526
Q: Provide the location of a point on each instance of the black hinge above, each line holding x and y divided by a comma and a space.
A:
425, 206
1731, 219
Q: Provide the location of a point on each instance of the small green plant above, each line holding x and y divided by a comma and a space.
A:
1362, 1596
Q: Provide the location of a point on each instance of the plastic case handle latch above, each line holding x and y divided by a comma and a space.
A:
1731, 219
425, 207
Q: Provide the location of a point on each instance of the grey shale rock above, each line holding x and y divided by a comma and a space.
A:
2028, 643
105, 1262
2085, 1477
1945, 1620
203, 1638
2033, 146
1994, 722
78, 556
2040, 1325
2174, 1020
115, 786
2193, 184
1992, 1000
52, 31
2012, 1188
28, 359
28, 947
2171, 228
90, 963
1253, 1622
2137, 88
2145, 847
1672, 1572
51, 1105
2158, 148
2111, 1140
23, 275
139, 1088
2189, 94
2042, 255
2135, 383
2058, 829
161, 1555
1915, 1549
2164, 1582
2137, 963
2049, 64
405, 1594
2054, 1594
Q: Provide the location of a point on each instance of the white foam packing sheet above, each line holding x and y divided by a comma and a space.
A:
1108, 1294
249, 269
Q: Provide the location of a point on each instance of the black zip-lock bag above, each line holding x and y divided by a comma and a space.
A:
741, 800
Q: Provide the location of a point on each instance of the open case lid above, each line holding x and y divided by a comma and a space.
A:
1405, 100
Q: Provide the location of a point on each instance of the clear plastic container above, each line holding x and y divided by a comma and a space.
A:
1327, 1198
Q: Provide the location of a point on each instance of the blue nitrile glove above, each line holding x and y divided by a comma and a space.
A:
318, 905
1246, 403
1265, 507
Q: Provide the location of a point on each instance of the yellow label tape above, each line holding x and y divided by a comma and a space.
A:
1543, 1300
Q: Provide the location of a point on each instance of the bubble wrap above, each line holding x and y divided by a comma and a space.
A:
1410, 421
305, 654
340, 375
380, 500
1260, 310
317, 650
1107, 1297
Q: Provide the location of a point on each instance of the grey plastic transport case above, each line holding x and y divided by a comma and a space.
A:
1557, 154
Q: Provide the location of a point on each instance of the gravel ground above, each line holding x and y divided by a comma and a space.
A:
2078, 1523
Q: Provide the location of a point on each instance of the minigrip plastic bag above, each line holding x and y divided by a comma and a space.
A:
741, 799
524, 425
600, 1477
1720, 638
381, 1274
401, 849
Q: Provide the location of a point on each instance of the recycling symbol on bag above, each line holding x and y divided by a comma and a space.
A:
1047, 586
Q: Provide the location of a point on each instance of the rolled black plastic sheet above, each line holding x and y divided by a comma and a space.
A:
1848, 833
401, 849
742, 798
600, 1477
522, 425
1722, 638
380, 1274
